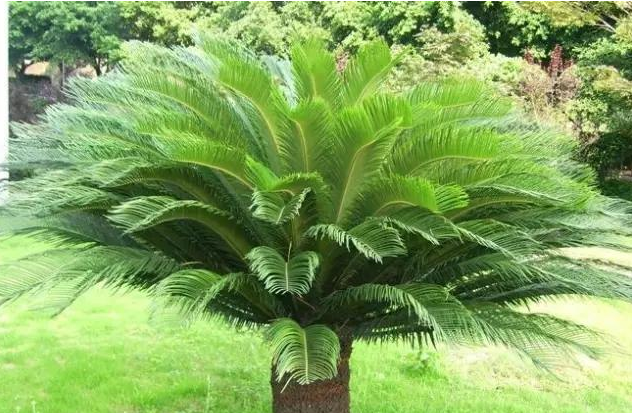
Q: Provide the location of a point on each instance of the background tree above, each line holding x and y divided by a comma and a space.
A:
513, 27
312, 205
67, 32
266, 27
167, 22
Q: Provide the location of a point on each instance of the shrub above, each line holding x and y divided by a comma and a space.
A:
309, 204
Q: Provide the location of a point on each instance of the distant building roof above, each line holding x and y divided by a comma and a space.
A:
37, 69
44, 69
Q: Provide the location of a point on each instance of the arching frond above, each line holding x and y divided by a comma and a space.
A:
305, 354
366, 71
253, 90
271, 207
191, 289
217, 157
73, 228
145, 212
50, 199
539, 337
293, 275
389, 194
311, 147
391, 297
366, 134
427, 149
315, 73
456, 101
81, 269
372, 239
431, 227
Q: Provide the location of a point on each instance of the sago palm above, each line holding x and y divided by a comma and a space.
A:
314, 205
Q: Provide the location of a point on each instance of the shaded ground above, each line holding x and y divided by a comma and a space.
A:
102, 355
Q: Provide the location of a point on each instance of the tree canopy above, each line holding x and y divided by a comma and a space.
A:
69, 32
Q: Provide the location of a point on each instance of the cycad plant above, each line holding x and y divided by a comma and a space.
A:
314, 205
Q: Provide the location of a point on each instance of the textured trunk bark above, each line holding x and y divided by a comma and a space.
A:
328, 396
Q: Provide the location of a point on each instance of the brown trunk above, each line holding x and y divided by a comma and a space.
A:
62, 79
328, 396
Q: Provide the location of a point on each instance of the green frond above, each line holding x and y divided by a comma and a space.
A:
56, 199
73, 228
303, 355
254, 92
431, 227
293, 275
389, 194
499, 237
344, 304
315, 73
259, 175
194, 293
281, 71
186, 179
191, 290
296, 183
507, 282
79, 269
146, 212
366, 134
444, 317
312, 129
428, 149
545, 339
372, 239
199, 151
366, 71
271, 206
456, 101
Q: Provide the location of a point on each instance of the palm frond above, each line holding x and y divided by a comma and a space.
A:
315, 73
366, 71
271, 207
372, 239
305, 354
146, 212
280, 276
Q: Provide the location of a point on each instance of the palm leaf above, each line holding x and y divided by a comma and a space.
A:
315, 73
366, 71
294, 276
146, 212
304, 355
371, 238
271, 207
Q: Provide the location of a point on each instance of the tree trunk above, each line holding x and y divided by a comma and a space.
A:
62, 78
328, 396
97, 66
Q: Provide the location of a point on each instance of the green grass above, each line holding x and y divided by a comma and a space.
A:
102, 355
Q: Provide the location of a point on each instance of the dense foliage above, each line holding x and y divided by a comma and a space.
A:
313, 203
485, 40
66, 32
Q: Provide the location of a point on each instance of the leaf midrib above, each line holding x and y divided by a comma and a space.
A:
349, 177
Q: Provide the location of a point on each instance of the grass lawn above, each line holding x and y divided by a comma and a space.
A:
102, 355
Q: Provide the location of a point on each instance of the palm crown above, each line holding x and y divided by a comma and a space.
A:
313, 202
